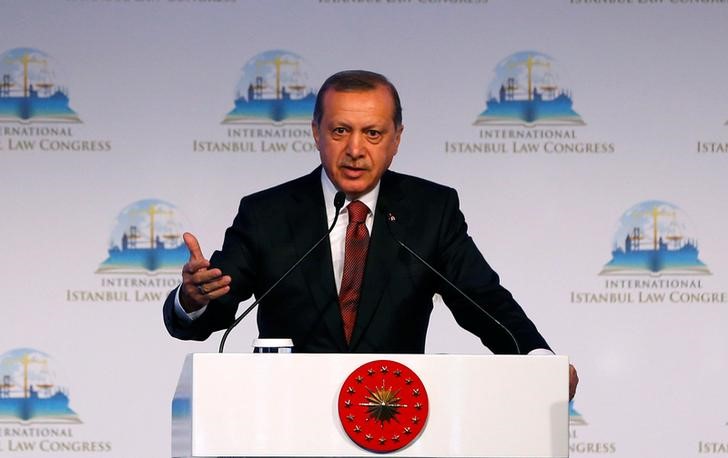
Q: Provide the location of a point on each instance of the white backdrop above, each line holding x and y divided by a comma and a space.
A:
148, 79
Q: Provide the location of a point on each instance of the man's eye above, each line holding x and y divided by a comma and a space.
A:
373, 133
339, 131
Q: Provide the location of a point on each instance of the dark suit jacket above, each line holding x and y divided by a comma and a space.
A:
275, 227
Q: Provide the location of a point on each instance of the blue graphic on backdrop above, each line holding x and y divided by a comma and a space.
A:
273, 88
147, 238
30, 90
653, 239
575, 418
527, 90
30, 391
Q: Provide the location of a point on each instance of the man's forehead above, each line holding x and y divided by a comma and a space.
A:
374, 91
358, 102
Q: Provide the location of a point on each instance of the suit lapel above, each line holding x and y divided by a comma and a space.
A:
307, 222
382, 255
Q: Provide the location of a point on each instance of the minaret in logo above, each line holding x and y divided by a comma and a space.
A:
147, 237
273, 88
29, 389
528, 91
653, 239
30, 88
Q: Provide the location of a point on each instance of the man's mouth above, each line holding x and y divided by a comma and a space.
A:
353, 172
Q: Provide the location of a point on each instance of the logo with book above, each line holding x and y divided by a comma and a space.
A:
655, 260
653, 238
529, 112
145, 256
32, 89
273, 88
575, 418
579, 443
147, 238
274, 104
31, 389
528, 90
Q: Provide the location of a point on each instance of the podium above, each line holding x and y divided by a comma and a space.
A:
230, 405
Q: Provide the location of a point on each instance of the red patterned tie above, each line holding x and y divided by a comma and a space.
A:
355, 256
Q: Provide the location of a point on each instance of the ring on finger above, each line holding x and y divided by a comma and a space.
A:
201, 289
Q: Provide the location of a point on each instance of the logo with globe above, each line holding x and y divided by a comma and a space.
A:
528, 90
273, 89
31, 88
147, 238
654, 238
31, 389
575, 418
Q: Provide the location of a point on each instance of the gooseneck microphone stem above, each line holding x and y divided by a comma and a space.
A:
339, 200
451, 284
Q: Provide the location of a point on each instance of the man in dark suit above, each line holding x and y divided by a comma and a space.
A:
332, 302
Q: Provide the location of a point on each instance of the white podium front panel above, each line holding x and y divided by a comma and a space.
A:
286, 405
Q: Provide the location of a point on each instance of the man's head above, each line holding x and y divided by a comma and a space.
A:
357, 81
357, 126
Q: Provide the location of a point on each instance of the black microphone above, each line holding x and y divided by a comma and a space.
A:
339, 200
392, 226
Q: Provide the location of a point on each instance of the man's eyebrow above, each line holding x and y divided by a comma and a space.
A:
337, 123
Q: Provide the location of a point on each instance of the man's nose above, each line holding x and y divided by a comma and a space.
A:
356, 146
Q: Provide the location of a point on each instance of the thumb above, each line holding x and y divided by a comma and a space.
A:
193, 246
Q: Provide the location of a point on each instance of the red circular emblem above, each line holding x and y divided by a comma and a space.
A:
383, 406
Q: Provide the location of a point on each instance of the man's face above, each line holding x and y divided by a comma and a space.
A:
357, 138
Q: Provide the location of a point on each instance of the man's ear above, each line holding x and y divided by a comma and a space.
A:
398, 137
315, 130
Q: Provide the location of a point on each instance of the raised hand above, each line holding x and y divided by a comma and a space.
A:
200, 284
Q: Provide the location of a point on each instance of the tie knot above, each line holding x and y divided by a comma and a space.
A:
358, 212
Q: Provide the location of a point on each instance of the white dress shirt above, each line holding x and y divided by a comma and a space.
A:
337, 238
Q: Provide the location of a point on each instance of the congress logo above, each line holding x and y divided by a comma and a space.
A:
273, 88
31, 89
31, 391
147, 237
653, 238
527, 90
581, 440
575, 418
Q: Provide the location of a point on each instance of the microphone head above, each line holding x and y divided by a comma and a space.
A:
339, 199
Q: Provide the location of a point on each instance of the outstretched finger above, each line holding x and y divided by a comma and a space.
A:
193, 246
